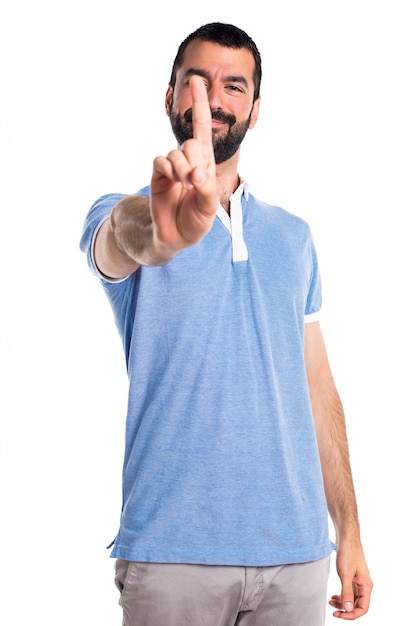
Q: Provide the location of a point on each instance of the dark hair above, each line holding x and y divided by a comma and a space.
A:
225, 35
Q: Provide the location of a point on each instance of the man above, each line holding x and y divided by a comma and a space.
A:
233, 410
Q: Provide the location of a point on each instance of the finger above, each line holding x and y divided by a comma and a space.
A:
347, 594
175, 168
202, 116
361, 605
162, 168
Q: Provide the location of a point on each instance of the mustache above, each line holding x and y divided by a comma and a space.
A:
219, 116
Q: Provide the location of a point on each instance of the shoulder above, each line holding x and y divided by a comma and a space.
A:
277, 223
267, 211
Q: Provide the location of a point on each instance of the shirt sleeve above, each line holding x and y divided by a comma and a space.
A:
95, 218
314, 299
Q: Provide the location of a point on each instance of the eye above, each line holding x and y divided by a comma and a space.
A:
235, 88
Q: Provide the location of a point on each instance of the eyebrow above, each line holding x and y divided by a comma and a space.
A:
229, 79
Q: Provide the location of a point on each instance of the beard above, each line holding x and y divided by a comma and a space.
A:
224, 145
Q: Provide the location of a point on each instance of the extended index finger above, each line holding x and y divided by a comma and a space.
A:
202, 116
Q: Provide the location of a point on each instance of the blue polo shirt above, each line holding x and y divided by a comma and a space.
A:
221, 462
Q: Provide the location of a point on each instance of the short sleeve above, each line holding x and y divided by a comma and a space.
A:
94, 219
314, 299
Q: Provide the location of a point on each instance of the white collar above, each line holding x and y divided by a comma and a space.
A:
234, 222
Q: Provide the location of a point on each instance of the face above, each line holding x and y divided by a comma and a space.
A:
228, 75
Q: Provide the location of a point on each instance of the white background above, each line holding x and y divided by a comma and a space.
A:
83, 87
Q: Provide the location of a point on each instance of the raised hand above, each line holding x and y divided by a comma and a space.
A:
184, 197
181, 207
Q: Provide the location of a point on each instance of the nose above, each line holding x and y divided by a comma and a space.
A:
215, 97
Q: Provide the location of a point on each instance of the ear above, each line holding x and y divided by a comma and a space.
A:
254, 113
168, 99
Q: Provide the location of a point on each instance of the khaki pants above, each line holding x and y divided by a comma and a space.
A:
162, 594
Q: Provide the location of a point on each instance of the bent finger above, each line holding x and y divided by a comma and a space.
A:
175, 167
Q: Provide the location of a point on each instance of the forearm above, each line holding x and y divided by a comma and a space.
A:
335, 461
353, 601
126, 239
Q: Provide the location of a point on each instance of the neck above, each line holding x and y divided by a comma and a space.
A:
227, 181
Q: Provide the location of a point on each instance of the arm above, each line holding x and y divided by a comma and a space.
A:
181, 209
339, 489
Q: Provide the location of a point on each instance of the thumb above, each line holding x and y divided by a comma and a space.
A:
206, 191
198, 176
347, 595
